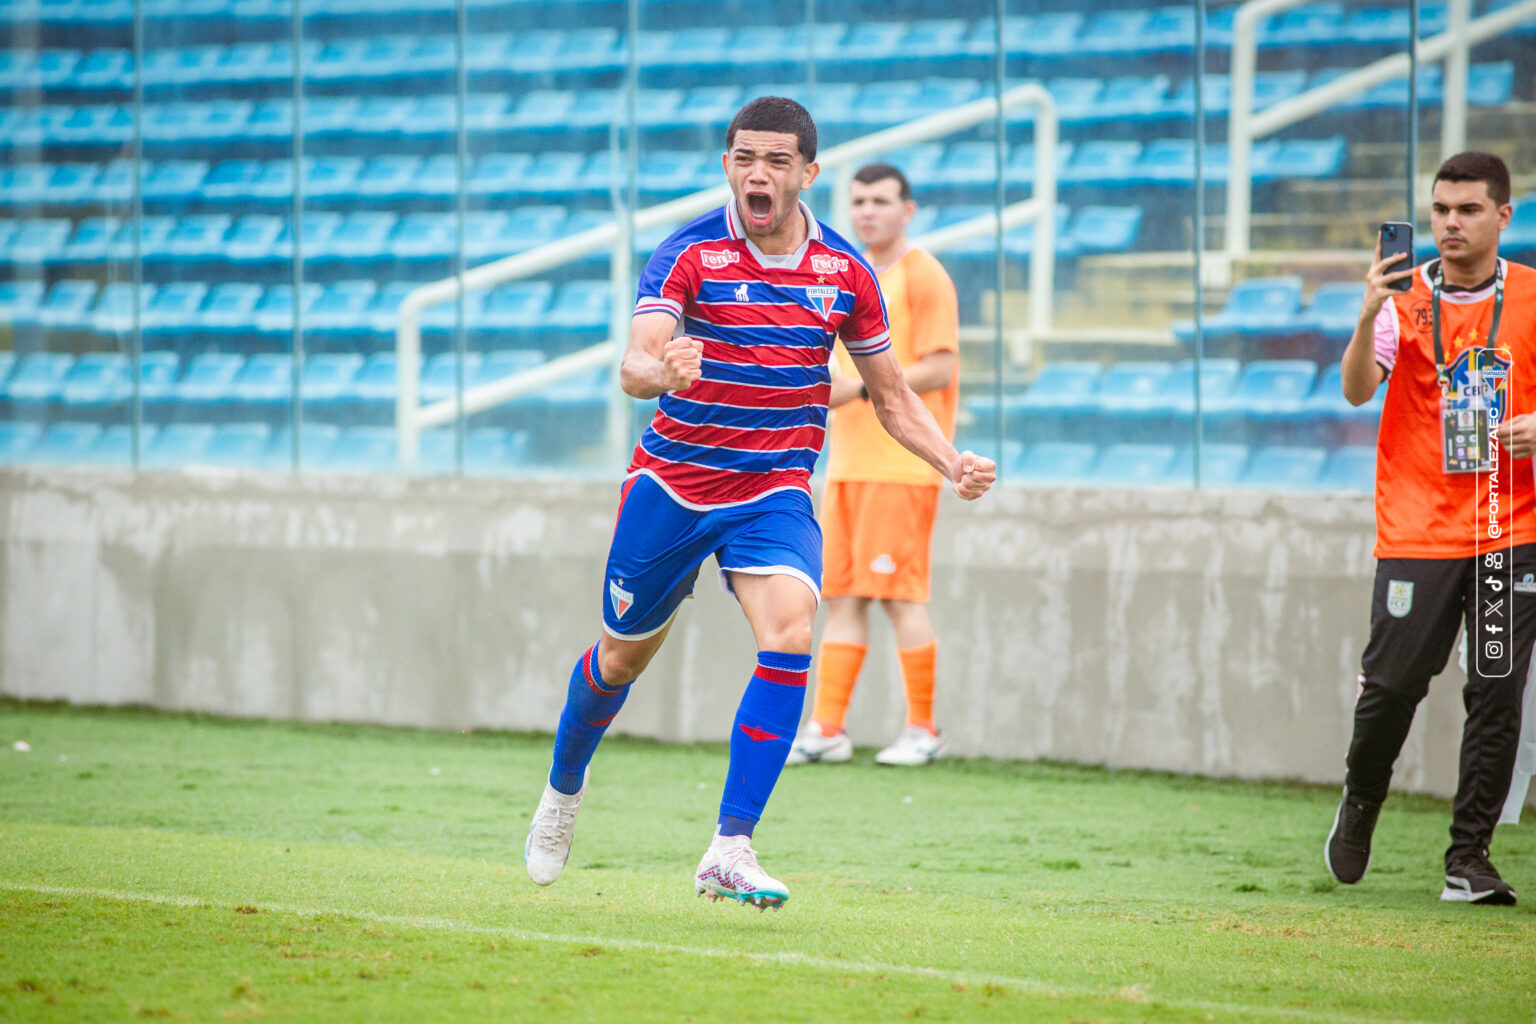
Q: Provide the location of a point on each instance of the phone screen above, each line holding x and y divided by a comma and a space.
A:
1397, 237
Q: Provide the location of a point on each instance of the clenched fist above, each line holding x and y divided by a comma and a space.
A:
681, 362
973, 475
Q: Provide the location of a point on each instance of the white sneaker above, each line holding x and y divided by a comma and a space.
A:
811, 745
730, 870
551, 832
914, 746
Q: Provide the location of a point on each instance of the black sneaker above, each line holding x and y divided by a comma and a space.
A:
1348, 850
1470, 878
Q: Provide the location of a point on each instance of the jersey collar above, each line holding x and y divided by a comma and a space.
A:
1461, 298
786, 261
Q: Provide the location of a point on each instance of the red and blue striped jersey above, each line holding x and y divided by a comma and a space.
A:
755, 420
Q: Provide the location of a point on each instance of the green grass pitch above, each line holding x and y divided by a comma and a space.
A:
189, 868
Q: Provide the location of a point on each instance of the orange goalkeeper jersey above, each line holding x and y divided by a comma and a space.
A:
924, 317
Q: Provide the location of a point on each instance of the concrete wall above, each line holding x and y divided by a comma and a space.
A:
1216, 633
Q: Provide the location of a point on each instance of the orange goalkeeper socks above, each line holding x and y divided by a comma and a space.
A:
917, 674
837, 669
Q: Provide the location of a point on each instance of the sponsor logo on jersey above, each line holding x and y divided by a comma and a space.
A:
621, 598
1399, 598
823, 295
1526, 584
715, 260
821, 263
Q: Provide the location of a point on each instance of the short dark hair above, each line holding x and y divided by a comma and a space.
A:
776, 114
1474, 166
871, 173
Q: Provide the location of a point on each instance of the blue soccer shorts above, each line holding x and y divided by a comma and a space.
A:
659, 545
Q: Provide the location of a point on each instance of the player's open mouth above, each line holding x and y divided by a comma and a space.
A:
759, 206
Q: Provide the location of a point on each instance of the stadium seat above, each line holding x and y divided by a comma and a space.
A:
1221, 465
254, 239
1301, 158
35, 382
1115, 31
153, 231
1267, 395
274, 314
1060, 397
113, 312
386, 177
1102, 163
1327, 418
19, 301
1258, 306
370, 395
1351, 468
230, 307
581, 306
37, 242
1284, 468
1055, 463
65, 443
341, 308
174, 308
1167, 415
174, 182
66, 306
440, 375
514, 307
114, 445
17, 438
362, 237
498, 175
198, 238
203, 389
1310, 25
1104, 229
1124, 389
493, 451
1133, 465
1335, 308
261, 388
358, 449
423, 236
177, 445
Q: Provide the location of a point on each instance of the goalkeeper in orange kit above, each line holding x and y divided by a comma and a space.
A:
878, 508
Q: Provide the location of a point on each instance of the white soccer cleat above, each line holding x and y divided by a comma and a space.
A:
811, 746
915, 746
550, 834
730, 870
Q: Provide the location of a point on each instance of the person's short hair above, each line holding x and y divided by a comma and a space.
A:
1475, 166
776, 114
871, 173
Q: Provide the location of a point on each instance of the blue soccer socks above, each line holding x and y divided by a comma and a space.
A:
761, 736
589, 706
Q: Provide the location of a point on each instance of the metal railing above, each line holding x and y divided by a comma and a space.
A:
1244, 125
411, 417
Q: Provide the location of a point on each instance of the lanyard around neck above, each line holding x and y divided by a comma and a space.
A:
1493, 328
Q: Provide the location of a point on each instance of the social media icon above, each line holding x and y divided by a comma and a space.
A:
1494, 649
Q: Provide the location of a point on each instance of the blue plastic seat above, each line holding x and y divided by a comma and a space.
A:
1314, 24
1351, 468
72, 183
1055, 463
243, 445
37, 242
1115, 31
230, 307
935, 37
113, 312
114, 445
1301, 158
173, 308
1105, 228
501, 363
1518, 240
359, 449
65, 443
92, 240
153, 231
371, 393
711, 105
1491, 85
493, 451
440, 375
1076, 99
675, 172
197, 237
498, 175
1389, 25
1135, 97
103, 70
24, 70
1168, 414
874, 41
542, 109
327, 377
1335, 308
206, 381
274, 314
1133, 465
177, 445
19, 301
36, 380
386, 177
174, 181
341, 308
67, 305
182, 66
1103, 163
1256, 307
1060, 397
354, 61
363, 237
436, 178
252, 63
581, 305
17, 438
254, 239
1125, 386
242, 181
329, 177
1221, 465
1268, 394
424, 236
24, 184
1327, 418
1284, 468
262, 386
554, 173
514, 307
96, 380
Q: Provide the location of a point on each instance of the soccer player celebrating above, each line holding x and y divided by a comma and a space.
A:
737, 315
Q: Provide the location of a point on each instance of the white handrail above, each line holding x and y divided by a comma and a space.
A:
1243, 125
411, 418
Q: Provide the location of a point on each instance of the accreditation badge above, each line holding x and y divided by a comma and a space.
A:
1473, 401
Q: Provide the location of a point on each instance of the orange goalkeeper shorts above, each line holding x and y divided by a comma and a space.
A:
876, 539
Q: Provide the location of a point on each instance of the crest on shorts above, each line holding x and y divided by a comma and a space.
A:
1399, 598
621, 598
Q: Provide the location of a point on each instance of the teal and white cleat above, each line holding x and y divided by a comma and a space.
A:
730, 870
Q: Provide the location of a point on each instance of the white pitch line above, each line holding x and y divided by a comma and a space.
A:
639, 945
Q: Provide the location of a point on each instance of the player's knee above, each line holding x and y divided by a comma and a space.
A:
621, 664
789, 637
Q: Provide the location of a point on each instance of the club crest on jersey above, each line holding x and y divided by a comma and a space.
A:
821, 263
741, 292
824, 297
714, 260
621, 598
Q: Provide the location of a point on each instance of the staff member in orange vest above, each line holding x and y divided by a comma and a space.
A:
1455, 533
878, 509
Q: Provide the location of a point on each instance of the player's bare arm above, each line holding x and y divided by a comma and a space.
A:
907, 419
930, 373
655, 361
1361, 374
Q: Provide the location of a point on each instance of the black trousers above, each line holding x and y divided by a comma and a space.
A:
1417, 609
